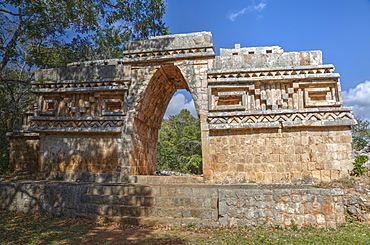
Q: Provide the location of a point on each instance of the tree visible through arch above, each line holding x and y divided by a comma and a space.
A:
156, 97
179, 145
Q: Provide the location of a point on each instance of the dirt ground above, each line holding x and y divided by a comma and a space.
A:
134, 235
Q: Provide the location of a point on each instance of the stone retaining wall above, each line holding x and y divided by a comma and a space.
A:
232, 205
281, 206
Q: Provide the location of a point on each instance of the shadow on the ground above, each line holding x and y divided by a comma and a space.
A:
17, 228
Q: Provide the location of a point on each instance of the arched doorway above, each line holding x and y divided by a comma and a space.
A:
149, 114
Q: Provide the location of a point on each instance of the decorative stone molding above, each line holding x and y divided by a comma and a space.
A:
272, 95
147, 55
79, 86
282, 118
86, 125
291, 73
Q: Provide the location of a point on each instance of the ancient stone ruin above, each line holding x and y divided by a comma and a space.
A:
267, 116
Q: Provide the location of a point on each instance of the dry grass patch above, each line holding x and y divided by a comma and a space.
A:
16, 228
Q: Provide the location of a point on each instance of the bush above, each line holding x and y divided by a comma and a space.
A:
359, 165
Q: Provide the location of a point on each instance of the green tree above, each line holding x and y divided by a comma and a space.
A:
179, 144
361, 133
101, 27
51, 33
15, 98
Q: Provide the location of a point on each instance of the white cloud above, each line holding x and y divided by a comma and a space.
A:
359, 99
251, 8
179, 102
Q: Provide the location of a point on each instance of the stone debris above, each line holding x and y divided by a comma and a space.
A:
173, 173
356, 199
353, 210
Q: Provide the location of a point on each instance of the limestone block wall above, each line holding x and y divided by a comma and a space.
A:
77, 157
288, 155
24, 152
282, 206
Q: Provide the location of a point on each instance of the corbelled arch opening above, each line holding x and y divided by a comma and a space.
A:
150, 111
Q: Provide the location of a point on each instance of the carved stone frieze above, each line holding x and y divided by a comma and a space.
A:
283, 118
80, 86
102, 125
301, 72
93, 104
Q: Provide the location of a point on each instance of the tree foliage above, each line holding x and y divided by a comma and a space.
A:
361, 133
95, 29
179, 144
15, 98
51, 33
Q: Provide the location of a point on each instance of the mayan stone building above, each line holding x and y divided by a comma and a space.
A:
267, 116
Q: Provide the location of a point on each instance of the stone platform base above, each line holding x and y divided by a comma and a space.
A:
179, 204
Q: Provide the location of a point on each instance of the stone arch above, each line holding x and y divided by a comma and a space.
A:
166, 80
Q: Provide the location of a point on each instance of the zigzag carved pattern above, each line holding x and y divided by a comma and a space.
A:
75, 124
67, 84
217, 76
309, 116
166, 52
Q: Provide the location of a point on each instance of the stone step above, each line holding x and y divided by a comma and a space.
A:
165, 180
193, 202
150, 221
144, 211
119, 200
121, 190
153, 191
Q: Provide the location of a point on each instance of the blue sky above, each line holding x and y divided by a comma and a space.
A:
339, 28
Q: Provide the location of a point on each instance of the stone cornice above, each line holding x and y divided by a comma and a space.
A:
71, 124
83, 85
315, 117
278, 73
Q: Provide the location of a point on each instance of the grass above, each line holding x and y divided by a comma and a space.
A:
16, 228
349, 234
